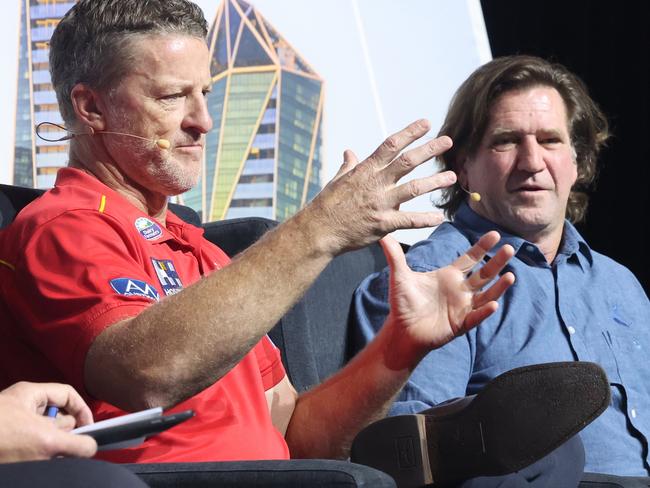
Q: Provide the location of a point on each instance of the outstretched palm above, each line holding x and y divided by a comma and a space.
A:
430, 309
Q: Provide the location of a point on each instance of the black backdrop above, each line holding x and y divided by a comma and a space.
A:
607, 44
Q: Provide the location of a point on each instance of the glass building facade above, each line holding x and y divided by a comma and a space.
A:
263, 156
36, 161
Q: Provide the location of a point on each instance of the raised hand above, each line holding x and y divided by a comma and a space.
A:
361, 204
427, 310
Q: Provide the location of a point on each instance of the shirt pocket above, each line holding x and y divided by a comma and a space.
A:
628, 345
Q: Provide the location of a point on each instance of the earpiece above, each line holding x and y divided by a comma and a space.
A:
474, 196
161, 143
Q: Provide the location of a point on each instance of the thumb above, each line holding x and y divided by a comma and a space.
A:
350, 160
394, 255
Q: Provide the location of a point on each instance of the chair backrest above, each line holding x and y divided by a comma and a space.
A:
235, 235
315, 334
14, 198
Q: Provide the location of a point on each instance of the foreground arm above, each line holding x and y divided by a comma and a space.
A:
427, 311
26, 435
186, 342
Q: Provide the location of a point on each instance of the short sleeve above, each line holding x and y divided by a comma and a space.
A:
270, 363
71, 282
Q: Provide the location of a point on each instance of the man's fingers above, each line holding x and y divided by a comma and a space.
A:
67, 444
475, 254
66, 398
349, 161
415, 188
492, 268
393, 145
416, 220
495, 291
409, 160
394, 254
65, 422
478, 315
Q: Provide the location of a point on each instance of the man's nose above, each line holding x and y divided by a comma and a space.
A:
530, 156
198, 116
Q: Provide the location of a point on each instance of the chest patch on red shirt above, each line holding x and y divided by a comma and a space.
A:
148, 228
132, 287
167, 275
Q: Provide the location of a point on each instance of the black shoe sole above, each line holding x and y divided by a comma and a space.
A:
518, 418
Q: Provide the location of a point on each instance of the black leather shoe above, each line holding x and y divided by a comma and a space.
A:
518, 418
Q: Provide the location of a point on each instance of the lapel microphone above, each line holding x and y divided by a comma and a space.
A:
160, 143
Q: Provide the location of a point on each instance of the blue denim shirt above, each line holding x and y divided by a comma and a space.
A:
584, 306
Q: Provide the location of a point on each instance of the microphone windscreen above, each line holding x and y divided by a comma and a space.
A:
163, 143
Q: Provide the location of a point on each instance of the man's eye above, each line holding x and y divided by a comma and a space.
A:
172, 96
503, 144
548, 141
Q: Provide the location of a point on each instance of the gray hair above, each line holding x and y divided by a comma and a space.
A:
91, 42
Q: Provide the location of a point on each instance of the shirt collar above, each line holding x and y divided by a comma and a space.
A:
476, 225
117, 205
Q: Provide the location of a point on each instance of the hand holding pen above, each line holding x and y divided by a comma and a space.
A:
27, 433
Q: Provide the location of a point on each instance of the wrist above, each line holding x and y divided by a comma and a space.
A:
309, 229
400, 352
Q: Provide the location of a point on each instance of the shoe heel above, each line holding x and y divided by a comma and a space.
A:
397, 446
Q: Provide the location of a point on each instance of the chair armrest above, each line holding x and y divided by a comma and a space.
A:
296, 473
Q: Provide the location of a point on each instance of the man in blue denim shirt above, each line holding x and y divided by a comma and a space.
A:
526, 138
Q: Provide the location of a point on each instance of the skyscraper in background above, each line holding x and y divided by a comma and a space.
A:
36, 161
263, 156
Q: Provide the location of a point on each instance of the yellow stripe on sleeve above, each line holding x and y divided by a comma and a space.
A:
102, 204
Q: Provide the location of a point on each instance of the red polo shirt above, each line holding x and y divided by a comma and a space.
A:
81, 258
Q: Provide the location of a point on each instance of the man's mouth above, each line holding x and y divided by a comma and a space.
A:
529, 188
191, 146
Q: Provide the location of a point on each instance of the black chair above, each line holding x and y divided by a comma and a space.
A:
312, 337
14, 198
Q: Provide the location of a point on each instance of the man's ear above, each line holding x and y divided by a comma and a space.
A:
460, 168
87, 104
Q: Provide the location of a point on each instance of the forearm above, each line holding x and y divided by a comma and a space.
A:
327, 418
188, 341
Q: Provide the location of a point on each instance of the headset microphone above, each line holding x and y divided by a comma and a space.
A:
474, 196
161, 143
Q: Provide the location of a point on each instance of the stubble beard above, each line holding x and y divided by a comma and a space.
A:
174, 176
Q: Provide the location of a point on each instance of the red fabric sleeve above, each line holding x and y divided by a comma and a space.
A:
270, 362
63, 289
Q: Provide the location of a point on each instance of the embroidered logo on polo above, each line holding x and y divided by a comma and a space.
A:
131, 287
167, 275
148, 228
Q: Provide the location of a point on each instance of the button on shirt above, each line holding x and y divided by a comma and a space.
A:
583, 306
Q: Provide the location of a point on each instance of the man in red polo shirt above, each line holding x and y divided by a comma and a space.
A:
106, 290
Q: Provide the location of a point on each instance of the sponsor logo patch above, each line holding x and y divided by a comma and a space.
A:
167, 275
148, 228
130, 287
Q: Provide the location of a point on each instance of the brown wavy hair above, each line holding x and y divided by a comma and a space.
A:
469, 114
